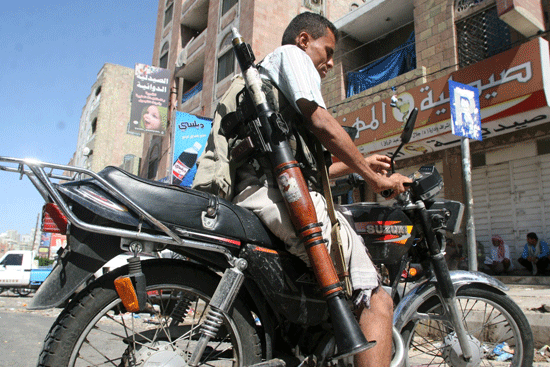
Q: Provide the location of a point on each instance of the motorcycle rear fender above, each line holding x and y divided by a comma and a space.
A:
424, 291
86, 253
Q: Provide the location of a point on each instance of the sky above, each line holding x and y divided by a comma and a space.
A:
50, 56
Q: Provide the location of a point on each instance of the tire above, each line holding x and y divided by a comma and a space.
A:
433, 342
23, 292
93, 329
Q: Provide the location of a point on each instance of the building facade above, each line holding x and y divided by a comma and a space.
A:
498, 46
103, 136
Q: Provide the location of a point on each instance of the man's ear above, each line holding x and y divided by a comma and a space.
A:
302, 40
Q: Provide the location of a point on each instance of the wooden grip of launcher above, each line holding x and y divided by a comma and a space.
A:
304, 218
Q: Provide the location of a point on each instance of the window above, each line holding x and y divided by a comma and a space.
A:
97, 91
94, 125
543, 146
168, 13
226, 65
13, 259
227, 4
163, 60
480, 36
478, 160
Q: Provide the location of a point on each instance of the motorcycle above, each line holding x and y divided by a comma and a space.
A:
235, 297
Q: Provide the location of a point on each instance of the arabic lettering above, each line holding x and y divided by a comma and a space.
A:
152, 88
184, 125
522, 73
518, 125
373, 125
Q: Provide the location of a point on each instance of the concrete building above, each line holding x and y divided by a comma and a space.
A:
193, 39
103, 137
499, 47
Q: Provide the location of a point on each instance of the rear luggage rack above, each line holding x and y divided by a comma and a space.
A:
42, 174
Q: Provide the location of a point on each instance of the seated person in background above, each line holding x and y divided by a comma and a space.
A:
499, 261
535, 255
453, 254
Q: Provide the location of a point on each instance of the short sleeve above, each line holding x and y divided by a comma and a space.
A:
293, 72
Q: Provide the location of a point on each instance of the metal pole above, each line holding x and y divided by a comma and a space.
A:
470, 226
35, 232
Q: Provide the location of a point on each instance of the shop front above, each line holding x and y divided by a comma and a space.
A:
510, 166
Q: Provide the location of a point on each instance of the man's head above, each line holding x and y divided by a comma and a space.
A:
316, 35
532, 238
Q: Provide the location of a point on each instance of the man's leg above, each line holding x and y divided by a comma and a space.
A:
542, 264
526, 263
376, 324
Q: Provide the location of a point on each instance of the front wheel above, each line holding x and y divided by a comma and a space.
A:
498, 332
95, 329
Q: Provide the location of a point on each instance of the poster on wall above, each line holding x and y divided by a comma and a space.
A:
191, 133
150, 99
44, 248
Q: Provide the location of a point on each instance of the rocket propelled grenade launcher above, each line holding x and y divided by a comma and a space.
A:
273, 142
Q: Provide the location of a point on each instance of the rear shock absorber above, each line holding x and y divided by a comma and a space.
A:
219, 306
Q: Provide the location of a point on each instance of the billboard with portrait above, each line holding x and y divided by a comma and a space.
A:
150, 99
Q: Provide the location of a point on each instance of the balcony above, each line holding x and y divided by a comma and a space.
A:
194, 14
190, 63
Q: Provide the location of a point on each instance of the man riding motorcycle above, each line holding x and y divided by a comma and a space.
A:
292, 77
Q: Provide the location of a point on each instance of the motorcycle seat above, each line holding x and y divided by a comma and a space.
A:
185, 207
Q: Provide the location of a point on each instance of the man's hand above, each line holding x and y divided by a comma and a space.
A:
395, 182
380, 164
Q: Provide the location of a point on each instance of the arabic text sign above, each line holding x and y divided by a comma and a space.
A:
150, 99
191, 133
465, 113
508, 84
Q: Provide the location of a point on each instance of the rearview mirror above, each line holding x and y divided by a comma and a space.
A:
409, 127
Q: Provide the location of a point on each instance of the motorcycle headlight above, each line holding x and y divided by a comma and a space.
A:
427, 182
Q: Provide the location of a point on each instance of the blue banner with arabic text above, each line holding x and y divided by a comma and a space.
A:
190, 136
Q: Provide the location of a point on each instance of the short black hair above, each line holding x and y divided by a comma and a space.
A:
533, 236
314, 24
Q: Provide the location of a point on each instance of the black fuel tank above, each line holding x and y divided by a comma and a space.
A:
387, 231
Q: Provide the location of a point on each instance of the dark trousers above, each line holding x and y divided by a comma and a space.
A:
542, 264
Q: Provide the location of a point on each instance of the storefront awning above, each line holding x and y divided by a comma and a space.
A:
514, 90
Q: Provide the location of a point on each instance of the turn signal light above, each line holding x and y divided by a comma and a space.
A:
53, 220
125, 289
413, 272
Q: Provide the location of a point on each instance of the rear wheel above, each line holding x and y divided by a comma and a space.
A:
495, 325
95, 330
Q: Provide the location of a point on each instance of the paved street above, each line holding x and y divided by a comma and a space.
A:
22, 331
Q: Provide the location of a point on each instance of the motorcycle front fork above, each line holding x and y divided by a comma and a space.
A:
445, 284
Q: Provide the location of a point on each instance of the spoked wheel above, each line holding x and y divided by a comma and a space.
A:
491, 320
95, 330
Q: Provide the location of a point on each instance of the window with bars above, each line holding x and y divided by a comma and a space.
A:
481, 36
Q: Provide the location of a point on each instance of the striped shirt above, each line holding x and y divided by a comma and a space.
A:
293, 72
